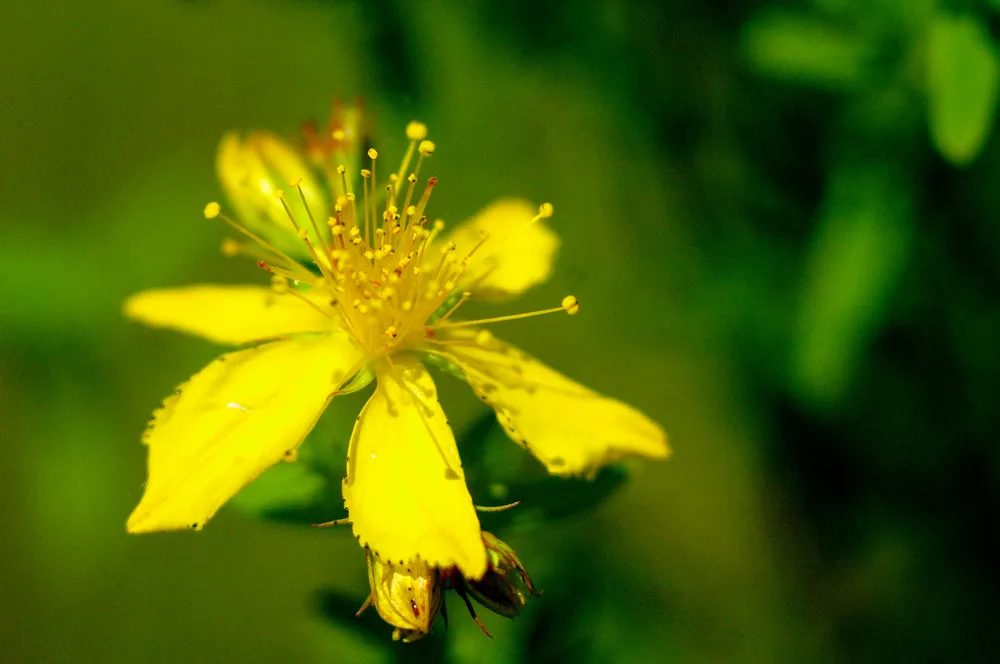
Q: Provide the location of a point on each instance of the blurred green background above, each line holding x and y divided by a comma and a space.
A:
782, 220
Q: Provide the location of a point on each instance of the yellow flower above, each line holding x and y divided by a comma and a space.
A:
379, 292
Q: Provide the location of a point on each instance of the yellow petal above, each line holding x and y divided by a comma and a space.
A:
571, 429
405, 490
253, 170
516, 255
229, 314
240, 415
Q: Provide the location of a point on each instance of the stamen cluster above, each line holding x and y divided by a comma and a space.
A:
380, 276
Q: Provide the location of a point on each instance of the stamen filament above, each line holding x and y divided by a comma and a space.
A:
322, 265
291, 262
312, 220
296, 293
345, 187
498, 508
274, 269
496, 319
346, 521
465, 296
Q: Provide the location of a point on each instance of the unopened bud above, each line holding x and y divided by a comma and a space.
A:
506, 586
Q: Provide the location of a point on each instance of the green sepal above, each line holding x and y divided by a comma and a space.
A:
444, 365
361, 380
446, 306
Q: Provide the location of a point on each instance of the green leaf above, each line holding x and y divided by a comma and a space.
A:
294, 493
804, 49
499, 471
304, 491
857, 257
962, 78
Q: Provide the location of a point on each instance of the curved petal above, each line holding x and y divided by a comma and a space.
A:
516, 255
571, 429
240, 415
405, 490
253, 169
230, 314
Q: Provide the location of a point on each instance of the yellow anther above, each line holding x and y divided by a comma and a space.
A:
303, 235
416, 131
338, 134
391, 332
212, 210
426, 148
373, 153
438, 225
279, 194
351, 197
408, 305
369, 255
571, 305
341, 169
387, 292
365, 173
545, 210
295, 182
230, 247
412, 179
279, 284
450, 246
484, 337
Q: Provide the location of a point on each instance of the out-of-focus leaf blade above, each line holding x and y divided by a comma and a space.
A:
962, 80
803, 49
292, 492
499, 471
856, 259
302, 492
338, 607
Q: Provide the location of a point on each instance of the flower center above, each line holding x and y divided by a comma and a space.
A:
381, 277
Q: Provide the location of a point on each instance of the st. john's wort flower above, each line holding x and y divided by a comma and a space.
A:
380, 291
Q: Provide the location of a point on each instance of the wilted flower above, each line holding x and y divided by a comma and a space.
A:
380, 291
407, 596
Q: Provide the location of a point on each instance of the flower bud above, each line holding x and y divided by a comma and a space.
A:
338, 143
253, 170
506, 586
408, 597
